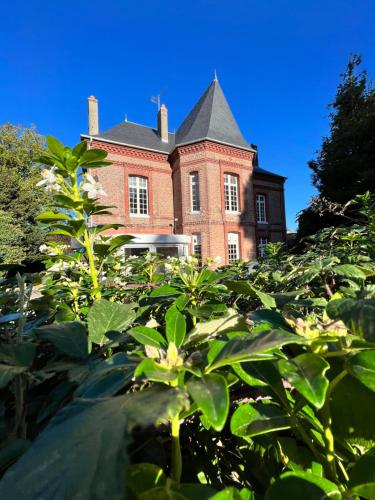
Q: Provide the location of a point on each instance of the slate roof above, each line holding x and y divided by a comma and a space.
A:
211, 118
139, 136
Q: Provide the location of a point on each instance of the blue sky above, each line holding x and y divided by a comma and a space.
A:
278, 62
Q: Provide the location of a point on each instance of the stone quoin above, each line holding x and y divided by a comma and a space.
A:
199, 190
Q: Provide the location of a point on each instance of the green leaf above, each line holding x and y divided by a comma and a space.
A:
349, 271
352, 407
248, 347
81, 454
69, 337
362, 476
267, 300
211, 395
254, 419
105, 316
147, 336
232, 321
92, 155
362, 367
80, 148
143, 477
55, 146
231, 493
52, 216
306, 374
302, 485
7, 373
165, 291
175, 327
154, 371
358, 316
17, 354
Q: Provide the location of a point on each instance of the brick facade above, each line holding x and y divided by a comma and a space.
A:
209, 145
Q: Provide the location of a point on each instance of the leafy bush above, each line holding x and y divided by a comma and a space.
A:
157, 378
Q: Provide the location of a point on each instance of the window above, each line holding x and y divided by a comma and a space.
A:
262, 243
194, 192
261, 208
197, 245
138, 195
233, 247
231, 192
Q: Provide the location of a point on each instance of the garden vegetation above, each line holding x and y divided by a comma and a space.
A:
152, 378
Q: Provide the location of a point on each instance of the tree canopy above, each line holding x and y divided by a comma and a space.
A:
345, 164
20, 199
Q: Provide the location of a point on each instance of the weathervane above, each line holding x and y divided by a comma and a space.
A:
156, 100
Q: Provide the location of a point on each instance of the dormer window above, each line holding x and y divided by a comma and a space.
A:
138, 195
231, 192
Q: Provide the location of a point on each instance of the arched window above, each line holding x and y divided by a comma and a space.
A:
233, 247
231, 192
261, 208
138, 195
194, 192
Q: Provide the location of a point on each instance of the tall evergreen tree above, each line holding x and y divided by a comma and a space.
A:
20, 199
345, 165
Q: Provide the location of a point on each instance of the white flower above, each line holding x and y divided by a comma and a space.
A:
92, 187
189, 259
49, 180
127, 271
168, 267
217, 259
43, 248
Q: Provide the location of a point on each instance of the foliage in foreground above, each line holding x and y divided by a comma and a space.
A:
154, 378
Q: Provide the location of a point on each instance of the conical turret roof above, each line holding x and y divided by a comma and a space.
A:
212, 119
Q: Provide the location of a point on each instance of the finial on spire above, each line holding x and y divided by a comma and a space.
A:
215, 76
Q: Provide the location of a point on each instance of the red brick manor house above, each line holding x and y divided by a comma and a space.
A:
199, 190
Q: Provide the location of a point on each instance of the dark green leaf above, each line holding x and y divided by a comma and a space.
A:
362, 367
52, 216
154, 371
11, 451
143, 477
248, 347
69, 337
147, 336
306, 373
17, 354
259, 418
175, 327
302, 485
105, 316
358, 315
362, 476
7, 373
55, 146
211, 395
350, 271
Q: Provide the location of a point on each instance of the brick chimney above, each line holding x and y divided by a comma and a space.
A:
163, 123
93, 115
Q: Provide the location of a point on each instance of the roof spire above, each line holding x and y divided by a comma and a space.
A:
215, 76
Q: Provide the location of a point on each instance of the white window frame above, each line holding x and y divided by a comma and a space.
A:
233, 247
231, 199
140, 186
262, 243
195, 202
261, 208
196, 244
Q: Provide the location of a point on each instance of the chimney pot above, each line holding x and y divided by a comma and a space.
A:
93, 115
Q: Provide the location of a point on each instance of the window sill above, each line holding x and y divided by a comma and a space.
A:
262, 222
232, 212
195, 212
139, 216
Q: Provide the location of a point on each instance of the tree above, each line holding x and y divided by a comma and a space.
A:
345, 165
20, 199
